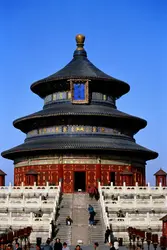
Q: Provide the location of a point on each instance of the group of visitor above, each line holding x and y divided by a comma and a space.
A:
11, 247
93, 193
59, 246
92, 214
109, 238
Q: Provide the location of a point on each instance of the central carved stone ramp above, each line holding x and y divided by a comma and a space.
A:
80, 219
80, 227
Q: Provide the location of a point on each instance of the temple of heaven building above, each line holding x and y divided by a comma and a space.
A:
79, 137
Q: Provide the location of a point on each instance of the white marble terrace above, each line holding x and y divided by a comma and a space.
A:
34, 206
133, 206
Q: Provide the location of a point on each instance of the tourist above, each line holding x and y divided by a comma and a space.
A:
17, 246
112, 246
65, 247
90, 209
47, 246
58, 245
96, 245
49, 239
96, 193
9, 247
116, 244
112, 239
91, 218
78, 247
89, 192
92, 214
52, 243
107, 234
68, 221
38, 247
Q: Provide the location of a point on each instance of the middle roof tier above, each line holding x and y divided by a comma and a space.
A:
69, 114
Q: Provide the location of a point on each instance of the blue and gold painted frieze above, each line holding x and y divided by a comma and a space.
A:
71, 129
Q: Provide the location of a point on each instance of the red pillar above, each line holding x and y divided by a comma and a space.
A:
164, 228
164, 225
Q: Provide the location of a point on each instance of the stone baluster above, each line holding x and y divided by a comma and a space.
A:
151, 201
31, 218
148, 219
148, 188
118, 199
7, 198
135, 201
127, 219
10, 187
10, 218
23, 201
160, 187
40, 202
124, 186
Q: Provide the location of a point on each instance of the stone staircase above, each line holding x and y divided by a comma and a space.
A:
62, 231
96, 233
76, 205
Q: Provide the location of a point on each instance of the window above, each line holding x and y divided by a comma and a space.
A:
79, 91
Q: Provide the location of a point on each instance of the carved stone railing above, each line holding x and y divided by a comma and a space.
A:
25, 206
134, 189
102, 203
124, 198
38, 190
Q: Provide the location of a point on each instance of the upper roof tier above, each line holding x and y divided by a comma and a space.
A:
80, 68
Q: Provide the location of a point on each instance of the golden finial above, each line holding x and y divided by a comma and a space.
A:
80, 41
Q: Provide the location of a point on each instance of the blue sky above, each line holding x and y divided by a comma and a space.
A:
126, 39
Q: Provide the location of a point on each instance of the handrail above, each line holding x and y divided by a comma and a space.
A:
104, 214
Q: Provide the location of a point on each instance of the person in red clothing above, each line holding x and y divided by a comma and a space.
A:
96, 193
92, 192
89, 191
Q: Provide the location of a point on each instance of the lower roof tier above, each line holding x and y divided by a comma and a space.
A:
89, 112
66, 144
